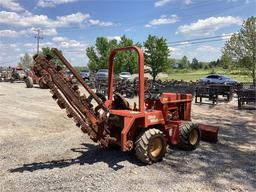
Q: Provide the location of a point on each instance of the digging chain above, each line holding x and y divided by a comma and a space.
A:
68, 97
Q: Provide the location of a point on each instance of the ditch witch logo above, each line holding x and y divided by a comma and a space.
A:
153, 119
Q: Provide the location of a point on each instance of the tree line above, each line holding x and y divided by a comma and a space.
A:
156, 55
238, 52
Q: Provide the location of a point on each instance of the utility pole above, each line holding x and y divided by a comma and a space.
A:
38, 37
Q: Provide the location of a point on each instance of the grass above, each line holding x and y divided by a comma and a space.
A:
197, 74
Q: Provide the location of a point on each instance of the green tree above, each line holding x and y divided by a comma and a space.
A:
26, 61
172, 61
214, 63
226, 61
124, 61
46, 51
184, 63
203, 65
156, 55
218, 62
98, 55
241, 47
195, 64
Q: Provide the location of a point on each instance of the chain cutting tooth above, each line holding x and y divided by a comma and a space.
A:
70, 113
67, 96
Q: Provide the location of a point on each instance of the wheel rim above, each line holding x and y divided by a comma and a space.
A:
156, 147
193, 137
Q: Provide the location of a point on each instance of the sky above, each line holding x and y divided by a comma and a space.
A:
73, 25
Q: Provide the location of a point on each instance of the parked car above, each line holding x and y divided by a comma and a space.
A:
85, 74
102, 75
218, 79
125, 75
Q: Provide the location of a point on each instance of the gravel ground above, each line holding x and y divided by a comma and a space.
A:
42, 150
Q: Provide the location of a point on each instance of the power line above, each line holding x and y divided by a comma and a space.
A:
136, 21
212, 40
202, 40
175, 45
197, 39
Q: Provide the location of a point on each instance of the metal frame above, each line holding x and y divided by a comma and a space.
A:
98, 126
141, 73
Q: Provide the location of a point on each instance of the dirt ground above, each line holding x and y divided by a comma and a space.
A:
42, 150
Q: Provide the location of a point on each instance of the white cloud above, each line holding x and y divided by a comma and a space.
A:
46, 44
30, 31
59, 39
118, 38
8, 45
226, 36
43, 32
183, 44
27, 20
11, 5
173, 49
8, 33
203, 52
9, 53
53, 3
176, 52
178, 49
71, 19
234, 1
208, 26
130, 29
64, 42
100, 23
71, 49
188, 2
160, 3
163, 20
206, 48
29, 45
12, 18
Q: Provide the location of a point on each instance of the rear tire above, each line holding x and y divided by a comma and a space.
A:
150, 146
189, 136
29, 82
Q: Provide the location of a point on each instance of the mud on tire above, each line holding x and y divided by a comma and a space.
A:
189, 136
150, 146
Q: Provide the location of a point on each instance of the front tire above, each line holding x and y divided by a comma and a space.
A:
189, 136
42, 85
150, 146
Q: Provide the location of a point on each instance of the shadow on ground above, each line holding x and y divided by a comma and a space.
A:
90, 154
233, 158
